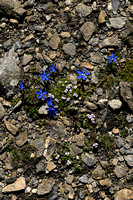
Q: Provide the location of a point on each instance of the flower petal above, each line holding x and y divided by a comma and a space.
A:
79, 72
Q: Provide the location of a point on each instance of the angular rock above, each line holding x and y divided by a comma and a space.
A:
88, 159
22, 138
115, 4
106, 182
124, 194
45, 186
42, 110
9, 68
54, 41
98, 173
87, 30
10, 127
69, 49
110, 41
83, 9
115, 104
96, 57
50, 166
126, 93
102, 16
120, 171
129, 160
27, 59
80, 139
84, 178
2, 111
74, 150
50, 145
118, 22
12, 8
18, 185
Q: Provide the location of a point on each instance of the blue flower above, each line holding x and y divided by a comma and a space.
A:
41, 94
52, 68
49, 102
44, 76
22, 85
51, 111
112, 58
82, 74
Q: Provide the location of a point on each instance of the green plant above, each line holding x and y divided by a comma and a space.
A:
106, 141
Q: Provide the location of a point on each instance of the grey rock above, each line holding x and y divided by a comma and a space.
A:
40, 167
10, 69
115, 4
98, 173
129, 160
2, 111
115, 104
118, 22
12, 8
94, 78
87, 30
7, 43
54, 41
84, 178
2, 174
124, 194
22, 138
129, 118
69, 49
126, 93
110, 41
94, 41
50, 145
27, 59
39, 28
120, 171
88, 159
83, 9
120, 142
42, 110
74, 150
45, 186
96, 57
122, 150
39, 145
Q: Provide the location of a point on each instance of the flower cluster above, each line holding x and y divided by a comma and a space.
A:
91, 117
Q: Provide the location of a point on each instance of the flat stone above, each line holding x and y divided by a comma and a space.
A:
106, 182
87, 65
7, 44
88, 159
2, 111
84, 178
115, 4
120, 171
90, 105
10, 127
27, 38
45, 186
94, 78
18, 185
22, 138
129, 160
42, 110
115, 104
126, 93
83, 9
130, 8
69, 49
87, 30
118, 22
40, 167
124, 194
50, 166
98, 173
65, 34
54, 41
11, 8
27, 59
69, 178
80, 139
50, 145
96, 57
110, 41
10, 69
102, 16
74, 150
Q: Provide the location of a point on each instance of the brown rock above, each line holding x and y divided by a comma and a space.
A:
22, 138
87, 30
13, 129
54, 41
98, 173
50, 166
87, 65
102, 16
106, 182
124, 194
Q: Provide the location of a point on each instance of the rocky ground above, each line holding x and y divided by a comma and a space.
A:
86, 151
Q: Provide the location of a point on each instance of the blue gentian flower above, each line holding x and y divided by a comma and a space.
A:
51, 111
52, 68
112, 58
44, 76
22, 85
41, 94
82, 74
49, 102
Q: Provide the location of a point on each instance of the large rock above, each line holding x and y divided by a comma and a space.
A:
110, 41
83, 9
126, 93
45, 186
69, 49
88, 159
115, 104
124, 194
118, 22
9, 73
54, 41
18, 185
87, 30
11, 7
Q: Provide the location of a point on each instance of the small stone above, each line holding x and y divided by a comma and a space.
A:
29, 37
98, 173
87, 30
27, 59
42, 110
120, 171
130, 8
110, 41
50, 166
69, 178
115, 104
84, 178
14, 21
83, 9
2, 111
80, 139
129, 160
118, 22
13, 129
65, 34
22, 138
115, 130
124, 194
90, 105
28, 190
102, 16
50, 145
34, 191
106, 182
69, 49
54, 41
88, 159
87, 65
18, 185
74, 150
104, 164
96, 57
45, 186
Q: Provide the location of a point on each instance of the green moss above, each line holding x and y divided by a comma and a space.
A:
127, 73
15, 155
107, 141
